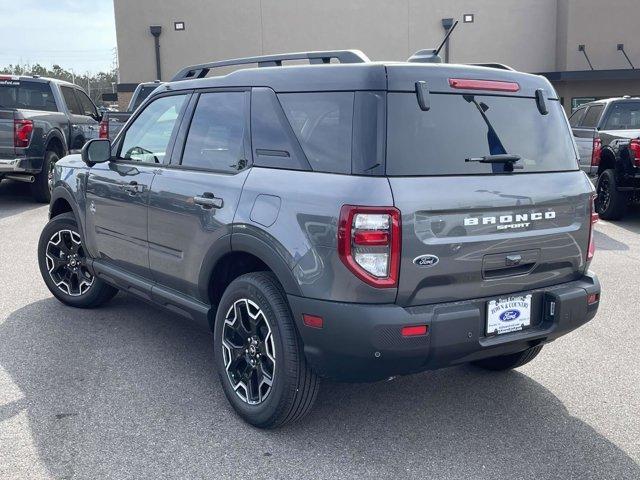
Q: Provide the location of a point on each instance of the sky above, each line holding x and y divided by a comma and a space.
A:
75, 34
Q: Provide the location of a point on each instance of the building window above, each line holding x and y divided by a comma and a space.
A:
467, 18
178, 25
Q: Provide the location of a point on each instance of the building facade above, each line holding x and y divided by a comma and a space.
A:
537, 36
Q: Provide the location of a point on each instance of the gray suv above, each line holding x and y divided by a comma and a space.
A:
346, 219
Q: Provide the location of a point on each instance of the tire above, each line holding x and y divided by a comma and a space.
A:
610, 203
508, 362
292, 389
41, 187
77, 288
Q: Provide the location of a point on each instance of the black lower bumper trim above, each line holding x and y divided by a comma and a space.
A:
363, 342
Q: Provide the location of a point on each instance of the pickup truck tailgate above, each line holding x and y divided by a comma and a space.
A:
6, 134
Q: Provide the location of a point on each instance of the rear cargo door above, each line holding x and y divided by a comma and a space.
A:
472, 229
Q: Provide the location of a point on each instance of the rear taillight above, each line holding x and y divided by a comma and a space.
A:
594, 218
104, 129
491, 85
369, 243
22, 130
596, 152
634, 151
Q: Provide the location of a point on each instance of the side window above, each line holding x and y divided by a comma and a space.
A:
274, 143
70, 99
577, 116
590, 119
216, 136
87, 106
323, 123
147, 138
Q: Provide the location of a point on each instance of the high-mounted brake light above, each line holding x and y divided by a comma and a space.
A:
492, 85
596, 151
634, 151
369, 243
593, 220
104, 129
22, 130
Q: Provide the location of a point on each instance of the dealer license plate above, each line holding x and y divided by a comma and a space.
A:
508, 314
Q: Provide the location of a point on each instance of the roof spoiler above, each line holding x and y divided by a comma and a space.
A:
321, 57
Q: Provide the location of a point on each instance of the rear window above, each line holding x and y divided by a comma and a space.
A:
458, 127
623, 116
27, 95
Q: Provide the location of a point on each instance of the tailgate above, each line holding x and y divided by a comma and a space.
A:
7, 149
490, 235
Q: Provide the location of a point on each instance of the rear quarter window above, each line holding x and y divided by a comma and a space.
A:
458, 127
323, 124
592, 116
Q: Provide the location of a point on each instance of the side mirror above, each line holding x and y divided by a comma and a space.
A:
95, 151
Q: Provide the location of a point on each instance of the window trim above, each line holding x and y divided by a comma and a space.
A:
175, 160
117, 143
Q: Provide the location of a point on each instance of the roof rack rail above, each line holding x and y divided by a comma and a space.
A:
321, 57
500, 66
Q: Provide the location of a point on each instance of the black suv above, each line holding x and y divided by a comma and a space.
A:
41, 120
353, 220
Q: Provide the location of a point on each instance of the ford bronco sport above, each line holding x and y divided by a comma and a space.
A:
354, 220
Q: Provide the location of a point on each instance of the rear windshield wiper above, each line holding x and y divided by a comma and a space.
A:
498, 158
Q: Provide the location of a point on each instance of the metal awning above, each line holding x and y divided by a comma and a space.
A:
587, 75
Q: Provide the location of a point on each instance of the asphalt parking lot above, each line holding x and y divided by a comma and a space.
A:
126, 391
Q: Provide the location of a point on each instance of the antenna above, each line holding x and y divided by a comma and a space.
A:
446, 37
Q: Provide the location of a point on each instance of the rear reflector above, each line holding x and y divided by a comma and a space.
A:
593, 298
491, 85
414, 330
312, 321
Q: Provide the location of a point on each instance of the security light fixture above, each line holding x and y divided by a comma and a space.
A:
467, 18
178, 25
620, 48
583, 49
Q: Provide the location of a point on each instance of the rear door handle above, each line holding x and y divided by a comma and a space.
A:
208, 200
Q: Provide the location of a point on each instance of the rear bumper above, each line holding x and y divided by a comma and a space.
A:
362, 342
26, 165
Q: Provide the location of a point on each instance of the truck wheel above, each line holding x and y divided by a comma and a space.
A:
258, 354
41, 187
507, 362
610, 203
63, 265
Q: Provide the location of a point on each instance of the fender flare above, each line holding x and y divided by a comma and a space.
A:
246, 242
57, 134
60, 192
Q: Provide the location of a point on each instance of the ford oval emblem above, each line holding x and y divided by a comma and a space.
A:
509, 315
426, 260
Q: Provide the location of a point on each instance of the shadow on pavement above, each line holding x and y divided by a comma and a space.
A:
15, 198
126, 391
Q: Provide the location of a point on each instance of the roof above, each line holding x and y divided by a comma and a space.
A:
36, 78
394, 76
